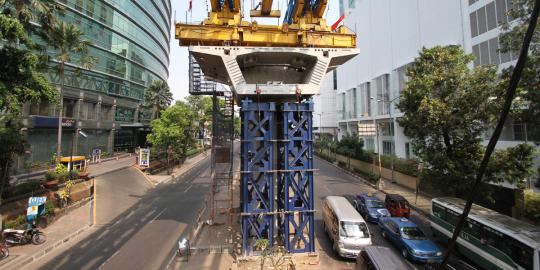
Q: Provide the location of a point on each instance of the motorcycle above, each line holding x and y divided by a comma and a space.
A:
21, 237
4, 252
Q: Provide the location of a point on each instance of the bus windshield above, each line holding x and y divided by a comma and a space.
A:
412, 233
353, 229
375, 204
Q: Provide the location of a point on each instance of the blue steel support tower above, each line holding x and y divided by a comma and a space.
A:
296, 173
292, 160
257, 172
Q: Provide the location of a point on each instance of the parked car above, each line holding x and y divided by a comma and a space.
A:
397, 205
409, 239
453, 264
370, 207
347, 230
379, 258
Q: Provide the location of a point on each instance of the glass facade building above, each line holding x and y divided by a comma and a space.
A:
130, 40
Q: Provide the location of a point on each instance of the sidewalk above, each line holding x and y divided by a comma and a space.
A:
61, 231
163, 177
422, 203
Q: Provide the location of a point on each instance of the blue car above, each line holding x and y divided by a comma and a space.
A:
411, 241
370, 207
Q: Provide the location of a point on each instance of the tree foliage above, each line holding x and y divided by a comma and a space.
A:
174, 128
351, 145
20, 81
158, 97
447, 109
527, 102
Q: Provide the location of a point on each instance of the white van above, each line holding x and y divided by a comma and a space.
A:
347, 230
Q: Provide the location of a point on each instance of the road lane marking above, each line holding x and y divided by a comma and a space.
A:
188, 188
158, 215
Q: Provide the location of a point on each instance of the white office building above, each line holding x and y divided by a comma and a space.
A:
390, 33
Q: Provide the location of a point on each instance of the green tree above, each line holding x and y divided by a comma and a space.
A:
527, 102
351, 146
174, 128
69, 44
447, 109
157, 96
29, 11
20, 82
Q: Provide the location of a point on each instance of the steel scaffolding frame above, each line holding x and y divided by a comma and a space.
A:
289, 171
257, 172
296, 178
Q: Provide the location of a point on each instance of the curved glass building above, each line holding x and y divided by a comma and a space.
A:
130, 39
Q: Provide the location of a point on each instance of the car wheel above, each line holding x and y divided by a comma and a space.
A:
383, 234
405, 253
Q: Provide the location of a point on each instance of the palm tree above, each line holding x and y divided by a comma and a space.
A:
67, 40
27, 11
158, 96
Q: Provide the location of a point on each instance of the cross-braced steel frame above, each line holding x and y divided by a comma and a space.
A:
257, 172
296, 178
261, 139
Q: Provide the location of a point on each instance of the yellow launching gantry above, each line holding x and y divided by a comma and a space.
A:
303, 26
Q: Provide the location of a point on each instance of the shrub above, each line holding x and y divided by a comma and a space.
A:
19, 221
370, 176
50, 175
73, 175
192, 152
342, 164
49, 209
532, 206
20, 189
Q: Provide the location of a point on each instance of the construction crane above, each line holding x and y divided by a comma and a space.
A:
272, 70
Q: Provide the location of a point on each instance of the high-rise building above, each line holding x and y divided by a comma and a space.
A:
130, 39
390, 35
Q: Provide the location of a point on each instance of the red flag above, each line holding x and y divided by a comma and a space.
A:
336, 24
190, 5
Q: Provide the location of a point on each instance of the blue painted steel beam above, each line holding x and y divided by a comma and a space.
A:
296, 194
257, 172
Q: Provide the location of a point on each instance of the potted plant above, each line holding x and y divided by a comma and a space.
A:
52, 178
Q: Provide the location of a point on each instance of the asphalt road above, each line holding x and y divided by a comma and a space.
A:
330, 180
137, 226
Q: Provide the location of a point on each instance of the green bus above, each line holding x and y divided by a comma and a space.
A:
491, 240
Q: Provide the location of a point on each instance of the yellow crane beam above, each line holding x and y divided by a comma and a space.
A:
262, 36
224, 26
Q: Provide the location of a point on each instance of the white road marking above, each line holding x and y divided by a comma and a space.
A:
158, 215
188, 188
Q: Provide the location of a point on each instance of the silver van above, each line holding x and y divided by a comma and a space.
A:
347, 230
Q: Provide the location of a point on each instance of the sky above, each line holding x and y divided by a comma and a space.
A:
178, 67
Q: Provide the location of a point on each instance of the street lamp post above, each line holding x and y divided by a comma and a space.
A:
377, 139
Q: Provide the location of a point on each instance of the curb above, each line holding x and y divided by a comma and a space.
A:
24, 260
418, 210
111, 171
172, 176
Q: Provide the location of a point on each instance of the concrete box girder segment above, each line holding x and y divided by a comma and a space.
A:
276, 73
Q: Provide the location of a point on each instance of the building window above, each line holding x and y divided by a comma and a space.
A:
69, 108
474, 24
124, 114
88, 111
334, 76
105, 113
388, 147
383, 94
387, 129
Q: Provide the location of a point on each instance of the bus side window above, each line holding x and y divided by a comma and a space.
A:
474, 228
452, 217
439, 212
